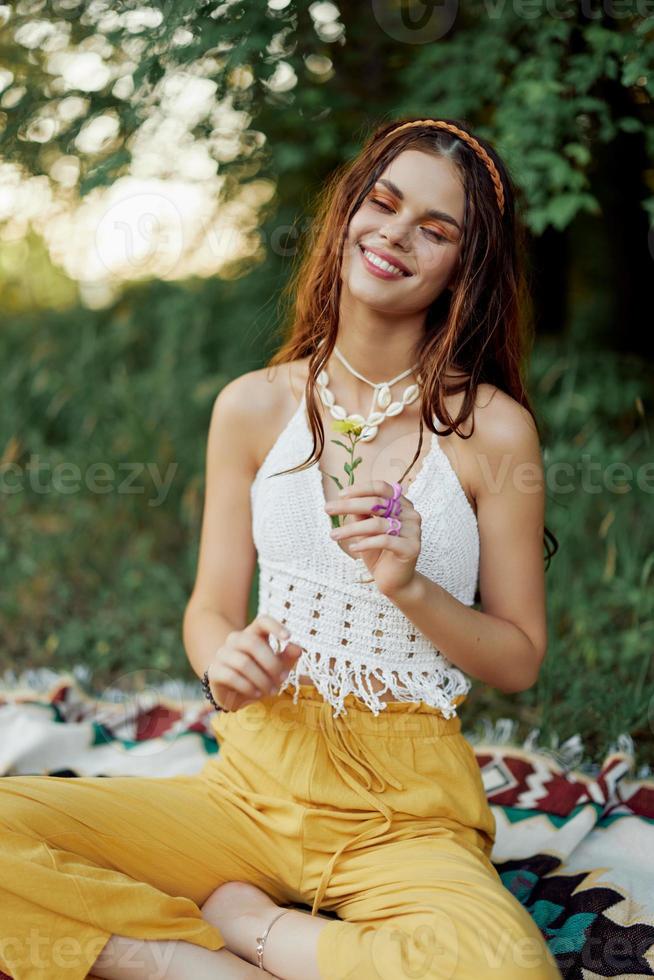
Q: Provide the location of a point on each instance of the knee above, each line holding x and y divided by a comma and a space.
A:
436, 946
225, 901
397, 948
518, 952
431, 945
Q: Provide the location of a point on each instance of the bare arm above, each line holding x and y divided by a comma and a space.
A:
227, 556
505, 644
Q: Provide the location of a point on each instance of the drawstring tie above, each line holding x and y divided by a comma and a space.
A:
348, 754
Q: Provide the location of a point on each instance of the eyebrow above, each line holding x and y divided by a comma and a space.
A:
439, 215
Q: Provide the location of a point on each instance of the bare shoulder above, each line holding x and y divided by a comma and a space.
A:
238, 403
258, 403
247, 395
505, 446
502, 424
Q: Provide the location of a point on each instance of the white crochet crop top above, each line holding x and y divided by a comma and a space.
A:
308, 583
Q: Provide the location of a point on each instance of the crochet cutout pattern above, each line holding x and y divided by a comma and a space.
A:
348, 630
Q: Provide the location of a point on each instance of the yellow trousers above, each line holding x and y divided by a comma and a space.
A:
381, 819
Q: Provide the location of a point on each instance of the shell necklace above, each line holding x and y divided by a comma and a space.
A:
381, 406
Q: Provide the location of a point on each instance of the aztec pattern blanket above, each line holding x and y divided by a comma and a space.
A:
575, 843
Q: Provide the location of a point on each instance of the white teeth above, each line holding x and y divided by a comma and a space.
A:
381, 264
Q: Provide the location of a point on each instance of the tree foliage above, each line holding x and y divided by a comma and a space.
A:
548, 83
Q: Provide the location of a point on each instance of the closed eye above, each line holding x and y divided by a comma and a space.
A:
428, 231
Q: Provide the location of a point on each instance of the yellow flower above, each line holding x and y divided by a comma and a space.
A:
347, 425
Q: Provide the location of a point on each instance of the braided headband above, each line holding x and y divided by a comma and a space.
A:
472, 142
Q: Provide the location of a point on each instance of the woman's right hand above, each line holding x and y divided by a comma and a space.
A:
245, 668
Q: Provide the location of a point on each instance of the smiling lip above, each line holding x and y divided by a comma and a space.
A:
387, 258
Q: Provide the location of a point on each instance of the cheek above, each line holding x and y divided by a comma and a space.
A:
365, 221
356, 230
438, 263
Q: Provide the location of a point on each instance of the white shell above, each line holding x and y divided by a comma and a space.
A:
383, 396
410, 394
373, 421
369, 434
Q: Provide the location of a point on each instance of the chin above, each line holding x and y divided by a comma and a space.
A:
372, 301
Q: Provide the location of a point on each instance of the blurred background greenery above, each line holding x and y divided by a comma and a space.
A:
158, 164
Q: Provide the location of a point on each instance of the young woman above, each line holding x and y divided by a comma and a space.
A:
343, 782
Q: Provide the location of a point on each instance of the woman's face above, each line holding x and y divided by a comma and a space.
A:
396, 220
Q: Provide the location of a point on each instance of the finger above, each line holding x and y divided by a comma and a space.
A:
357, 505
373, 525
402, 547
376, 488
370, 525
366, 505
256, 659
234, 681
250, 669
264, 624
289, 655
286, 660
283, 663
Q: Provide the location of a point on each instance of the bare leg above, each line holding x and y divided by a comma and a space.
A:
242, 912
137, 959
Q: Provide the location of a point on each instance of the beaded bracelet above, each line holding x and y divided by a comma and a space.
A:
207, 692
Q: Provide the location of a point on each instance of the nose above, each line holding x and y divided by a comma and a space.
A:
396, 233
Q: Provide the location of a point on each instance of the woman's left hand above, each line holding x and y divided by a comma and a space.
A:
390, 558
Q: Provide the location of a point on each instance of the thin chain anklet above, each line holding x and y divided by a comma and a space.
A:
261, 940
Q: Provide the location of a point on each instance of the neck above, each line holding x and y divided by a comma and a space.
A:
358, 365
378, 344
357, 394
379, 360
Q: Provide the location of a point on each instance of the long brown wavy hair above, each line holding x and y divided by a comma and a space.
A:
483, 328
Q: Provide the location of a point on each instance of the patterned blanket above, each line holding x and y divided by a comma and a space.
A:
575, 843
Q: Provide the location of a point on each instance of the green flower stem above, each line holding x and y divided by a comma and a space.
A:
354, 434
